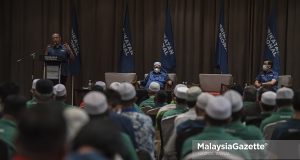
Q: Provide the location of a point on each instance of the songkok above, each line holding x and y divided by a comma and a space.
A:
235, 99
157, 64
180, 92
95, 103
203, 99
154, 87
75, 118
268, 98
34, 83
44, 87
59, 90
127, 91
284, 93
101, 84
192, 93
218, 108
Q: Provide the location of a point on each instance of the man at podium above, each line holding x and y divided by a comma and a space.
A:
56, 48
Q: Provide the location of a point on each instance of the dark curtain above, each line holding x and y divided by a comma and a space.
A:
26, 27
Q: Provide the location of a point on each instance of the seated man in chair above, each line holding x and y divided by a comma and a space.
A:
158, 75
267, 78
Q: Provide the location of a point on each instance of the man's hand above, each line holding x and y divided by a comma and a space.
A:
70, 52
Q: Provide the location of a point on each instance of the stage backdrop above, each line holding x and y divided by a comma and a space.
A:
26, 27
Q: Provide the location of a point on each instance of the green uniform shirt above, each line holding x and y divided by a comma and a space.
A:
211, 133
31, 103
8, 131
148, 102
178, 110
130, 151
238, 129
281, 114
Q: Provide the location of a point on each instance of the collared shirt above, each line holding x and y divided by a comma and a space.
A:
61, 52
125, 125
189, 115
238, 129
148, 102
31, 103
284, 113
143, 130
212, 133
178, 110
8, 131
264, 77
160, 78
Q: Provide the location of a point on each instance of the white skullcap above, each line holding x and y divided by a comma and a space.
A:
203, 99
95, 103
157, 64
127, 91
179, 85
284, 93
180, 92
59, 90
235, 99
75, 118
34, 83
101, 84
115, 85
154, 87
192, 93
218, 108
268, 98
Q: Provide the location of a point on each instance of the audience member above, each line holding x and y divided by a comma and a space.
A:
192, 94
33, 100
154, 87
14, 107
60, 95
75, 119
160, 99
142, 124
236, 127
42, 134
6, 89
290, 130
97, 108
44, 92
284, 99
217, 115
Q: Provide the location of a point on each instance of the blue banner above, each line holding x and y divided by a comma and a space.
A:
272, 48
127, 56
168, 58
75, 65
221, 48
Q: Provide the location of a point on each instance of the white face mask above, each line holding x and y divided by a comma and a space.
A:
156, 70
265, 67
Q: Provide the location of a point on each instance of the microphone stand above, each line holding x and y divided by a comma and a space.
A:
33, 55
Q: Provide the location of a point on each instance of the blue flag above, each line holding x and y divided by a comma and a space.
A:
221, 49
75, 65
168, 58
272, 48
127, 56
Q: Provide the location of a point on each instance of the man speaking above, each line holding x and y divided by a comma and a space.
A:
267, 78
56, 48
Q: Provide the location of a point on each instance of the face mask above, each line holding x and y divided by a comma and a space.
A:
156, 70
265, 67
